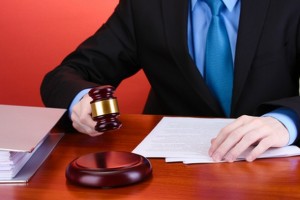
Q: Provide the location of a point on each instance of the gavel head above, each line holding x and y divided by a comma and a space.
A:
105, 109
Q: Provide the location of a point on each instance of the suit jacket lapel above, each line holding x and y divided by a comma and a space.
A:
175, 14
253, 13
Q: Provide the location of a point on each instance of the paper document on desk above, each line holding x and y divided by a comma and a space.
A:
187, 140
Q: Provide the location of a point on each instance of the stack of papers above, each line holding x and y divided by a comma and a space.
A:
24, 133
187, 140
12, 162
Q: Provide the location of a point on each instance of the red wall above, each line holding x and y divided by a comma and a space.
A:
37, 34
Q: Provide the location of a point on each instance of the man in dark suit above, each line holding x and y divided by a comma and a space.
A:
157, 36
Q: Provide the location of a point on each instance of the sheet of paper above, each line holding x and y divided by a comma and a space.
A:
180, 137
187, 140
23, 127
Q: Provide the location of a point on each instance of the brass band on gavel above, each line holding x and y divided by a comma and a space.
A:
104, 107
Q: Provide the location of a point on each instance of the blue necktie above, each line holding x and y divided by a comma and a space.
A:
218, 58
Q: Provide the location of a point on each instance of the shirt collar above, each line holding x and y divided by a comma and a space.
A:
228, 3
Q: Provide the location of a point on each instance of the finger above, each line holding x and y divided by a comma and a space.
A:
86, 120
82, 120
264, 144
233, 137
86, 130
81, 127
275, 135
248, 139
252, 132
224, 134
227, 147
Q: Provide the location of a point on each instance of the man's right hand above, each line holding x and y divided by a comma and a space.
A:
82, 119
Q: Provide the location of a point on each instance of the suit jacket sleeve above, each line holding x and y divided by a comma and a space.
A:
107, 57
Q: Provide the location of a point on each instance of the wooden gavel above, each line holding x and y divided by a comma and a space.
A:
111, 168
105, 110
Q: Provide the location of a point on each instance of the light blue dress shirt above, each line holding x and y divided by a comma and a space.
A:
198, 22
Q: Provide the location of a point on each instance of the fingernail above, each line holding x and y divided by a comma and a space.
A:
249, 159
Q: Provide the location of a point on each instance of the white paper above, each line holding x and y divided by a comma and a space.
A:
39, 156
187, 140
10, 167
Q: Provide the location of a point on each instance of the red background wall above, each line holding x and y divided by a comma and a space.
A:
37, 34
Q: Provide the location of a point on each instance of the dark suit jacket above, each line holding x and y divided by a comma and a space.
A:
152, 35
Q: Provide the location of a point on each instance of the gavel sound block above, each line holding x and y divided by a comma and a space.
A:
105, 110
108, 169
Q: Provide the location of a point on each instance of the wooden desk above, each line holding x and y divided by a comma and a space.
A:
263, 179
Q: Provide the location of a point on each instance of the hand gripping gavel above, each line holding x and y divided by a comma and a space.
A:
105, 110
